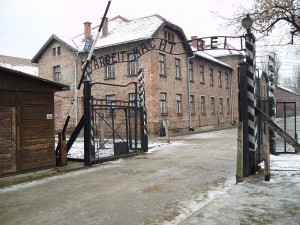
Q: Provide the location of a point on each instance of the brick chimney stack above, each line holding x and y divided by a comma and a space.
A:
105, 27
194, 41
199, 44
87, 30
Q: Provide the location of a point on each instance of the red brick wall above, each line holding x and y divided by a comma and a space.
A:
154, 85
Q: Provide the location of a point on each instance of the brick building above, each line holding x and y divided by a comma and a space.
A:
192, 91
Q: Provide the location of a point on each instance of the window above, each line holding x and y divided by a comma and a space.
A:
227, 79
219, 78
202, 74
56, 51
191, 72
228, 105
192, 104
212, 105
221, 105
177, 68
163, 103
203, 107
162, 64
168, 36
110, 71
211, 76
179, 103
56, 74
110, 101
132, 102
133, 64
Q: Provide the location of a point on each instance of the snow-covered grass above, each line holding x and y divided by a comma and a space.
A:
253, 201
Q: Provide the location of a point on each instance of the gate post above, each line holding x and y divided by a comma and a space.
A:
88, 132
142, 105
251, 90
272, 87
243, 115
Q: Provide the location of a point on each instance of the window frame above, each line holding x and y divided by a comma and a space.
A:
108, 110
57, 74
192, 104
203, 105
212, 105
202, 80
211, 76
162, 64
177, 68
191, 75
163, 103
219, 78
221, 110
133, 65
179, 103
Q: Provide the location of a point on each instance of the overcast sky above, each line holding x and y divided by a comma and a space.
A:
27, 24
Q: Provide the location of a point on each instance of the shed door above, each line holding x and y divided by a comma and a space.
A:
7, 140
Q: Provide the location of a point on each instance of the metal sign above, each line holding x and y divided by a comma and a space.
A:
163, 45
88, 44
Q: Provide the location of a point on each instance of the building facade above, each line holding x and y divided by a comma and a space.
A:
191, 91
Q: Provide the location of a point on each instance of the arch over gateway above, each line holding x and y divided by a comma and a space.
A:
162, 45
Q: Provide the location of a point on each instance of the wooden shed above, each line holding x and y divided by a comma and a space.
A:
27, 138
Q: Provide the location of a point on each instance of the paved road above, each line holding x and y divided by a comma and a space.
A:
161, 187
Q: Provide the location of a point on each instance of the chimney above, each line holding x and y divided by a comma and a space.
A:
194, 41
87, 30
105, 27
198, 44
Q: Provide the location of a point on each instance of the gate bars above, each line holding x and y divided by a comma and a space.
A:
91, 105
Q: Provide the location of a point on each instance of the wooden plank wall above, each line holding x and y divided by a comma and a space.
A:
36, 131
7, 140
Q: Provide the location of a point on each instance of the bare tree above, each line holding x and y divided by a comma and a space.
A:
270, 14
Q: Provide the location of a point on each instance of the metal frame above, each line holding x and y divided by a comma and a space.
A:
93, 111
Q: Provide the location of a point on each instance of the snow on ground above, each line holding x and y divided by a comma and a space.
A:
77, 150
253, 201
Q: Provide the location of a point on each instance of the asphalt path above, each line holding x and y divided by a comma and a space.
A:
164, 186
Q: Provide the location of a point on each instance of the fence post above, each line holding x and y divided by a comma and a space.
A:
239, 161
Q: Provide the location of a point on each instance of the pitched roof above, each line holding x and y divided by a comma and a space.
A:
204, 55
19, 64
63, 40
123, 31
120, 31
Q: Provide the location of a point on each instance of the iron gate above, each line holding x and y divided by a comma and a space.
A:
286, 118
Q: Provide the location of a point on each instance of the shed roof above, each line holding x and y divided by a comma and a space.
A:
7, 73
20, 64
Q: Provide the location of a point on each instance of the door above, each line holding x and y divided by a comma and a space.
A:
7, 140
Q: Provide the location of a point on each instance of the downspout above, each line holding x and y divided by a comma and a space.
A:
231, 99
189, 91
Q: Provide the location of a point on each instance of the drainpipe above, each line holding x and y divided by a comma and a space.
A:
231, 99
189, 91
